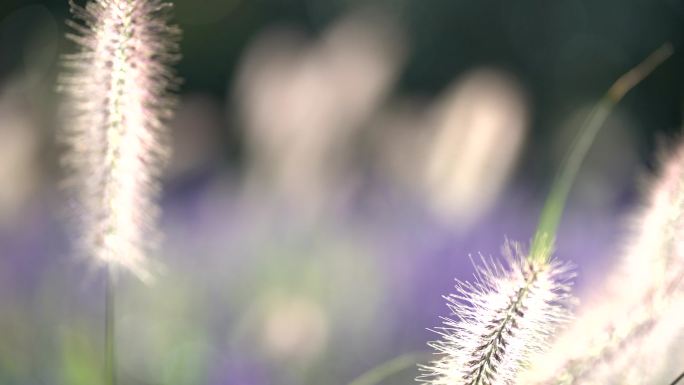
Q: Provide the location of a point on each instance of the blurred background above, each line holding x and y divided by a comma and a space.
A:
336, 162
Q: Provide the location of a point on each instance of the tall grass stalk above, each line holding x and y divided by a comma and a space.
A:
110, 330
118, 87
605, 342
510, 312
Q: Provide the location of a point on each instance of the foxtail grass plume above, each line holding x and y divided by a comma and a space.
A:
117, 86
625, 335
502, 318
507, 316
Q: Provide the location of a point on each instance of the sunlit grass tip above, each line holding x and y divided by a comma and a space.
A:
500, 319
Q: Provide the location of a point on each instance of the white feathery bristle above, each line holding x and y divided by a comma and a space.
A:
502, 318
117, 86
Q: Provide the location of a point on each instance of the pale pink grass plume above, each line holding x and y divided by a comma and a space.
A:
118, 90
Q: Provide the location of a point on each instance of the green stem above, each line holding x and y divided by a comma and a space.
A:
381, 372
110, 347
545, 236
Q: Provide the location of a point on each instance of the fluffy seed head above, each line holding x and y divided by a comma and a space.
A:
503, 317
117, 86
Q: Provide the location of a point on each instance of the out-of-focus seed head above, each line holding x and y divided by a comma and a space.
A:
117, 86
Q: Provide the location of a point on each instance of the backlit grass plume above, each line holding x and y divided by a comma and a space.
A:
503, 317
118, 89
509, 313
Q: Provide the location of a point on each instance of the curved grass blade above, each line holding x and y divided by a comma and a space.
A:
545, 236
383, 371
